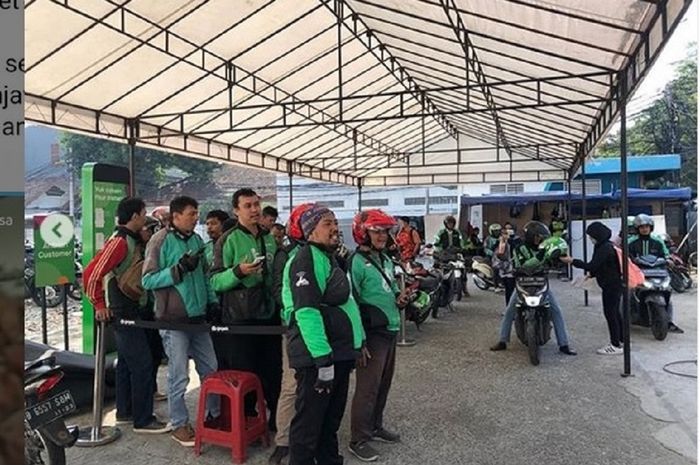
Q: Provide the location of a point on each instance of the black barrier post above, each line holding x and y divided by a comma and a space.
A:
65, 317
44, 331
569, 221
622, 99
359, 195
98, 435
583, 222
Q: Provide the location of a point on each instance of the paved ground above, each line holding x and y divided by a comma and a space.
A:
455, 402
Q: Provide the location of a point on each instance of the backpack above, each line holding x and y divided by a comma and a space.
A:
636, 276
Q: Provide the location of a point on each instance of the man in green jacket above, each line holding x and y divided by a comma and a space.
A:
325, 339
242, 277
379, 297
174, 270
215, 229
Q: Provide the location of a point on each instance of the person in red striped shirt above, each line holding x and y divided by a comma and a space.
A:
122, 252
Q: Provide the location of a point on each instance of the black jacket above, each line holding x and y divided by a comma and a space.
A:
604, 265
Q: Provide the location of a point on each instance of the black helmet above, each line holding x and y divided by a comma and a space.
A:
643, 220
450, 219
533, 230
152, 224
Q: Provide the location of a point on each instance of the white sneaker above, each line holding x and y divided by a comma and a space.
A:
610, 350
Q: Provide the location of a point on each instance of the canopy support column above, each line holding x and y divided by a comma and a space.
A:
359, 195
291, 191
132, 127
584, 214
570, 269
622, 99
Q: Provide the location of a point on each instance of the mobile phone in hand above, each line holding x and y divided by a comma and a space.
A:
258, 260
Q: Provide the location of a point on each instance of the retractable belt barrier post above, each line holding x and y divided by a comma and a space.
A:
403, 342
98, 435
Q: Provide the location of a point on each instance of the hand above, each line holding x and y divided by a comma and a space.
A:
365, 357
250, 268
103, 314
324, 381
402, 299
567, 260
188, 263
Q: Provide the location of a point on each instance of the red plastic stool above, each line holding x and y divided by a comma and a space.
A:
232, 386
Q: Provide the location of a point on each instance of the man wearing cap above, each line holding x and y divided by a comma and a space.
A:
325, 338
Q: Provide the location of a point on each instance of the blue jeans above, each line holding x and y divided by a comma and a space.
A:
179, 347
134, 376
557, 319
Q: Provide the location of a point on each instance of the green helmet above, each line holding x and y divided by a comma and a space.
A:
494, 230
554, 247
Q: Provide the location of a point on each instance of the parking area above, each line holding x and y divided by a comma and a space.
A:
454, 401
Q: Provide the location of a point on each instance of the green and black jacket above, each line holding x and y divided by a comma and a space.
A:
324, 320
529, 260
375, 296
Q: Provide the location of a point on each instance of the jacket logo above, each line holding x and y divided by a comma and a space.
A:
301, 280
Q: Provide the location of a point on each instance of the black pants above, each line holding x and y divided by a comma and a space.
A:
372, 386
314, 431
611, 309
134, 375
509, 284
261, 355
157, 354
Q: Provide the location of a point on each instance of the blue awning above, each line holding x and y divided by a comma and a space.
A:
525, 198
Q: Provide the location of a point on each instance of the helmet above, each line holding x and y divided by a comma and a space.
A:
370, 220
533, 230
449, 219
152, 224
495, 230
162, 214
554, 247
293, 223
643, 219
557, 225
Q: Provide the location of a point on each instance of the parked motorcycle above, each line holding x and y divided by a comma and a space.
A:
75, 289
45, 433
447, 264
53, 295
533, 318
424, 291
484, 276
650, 303
677, 268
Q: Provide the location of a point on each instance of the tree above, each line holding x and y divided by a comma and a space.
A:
150, 166
669, 124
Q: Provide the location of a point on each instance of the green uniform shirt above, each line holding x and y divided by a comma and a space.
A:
375, 296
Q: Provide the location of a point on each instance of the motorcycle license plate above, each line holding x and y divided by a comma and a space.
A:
458, 273
49, 410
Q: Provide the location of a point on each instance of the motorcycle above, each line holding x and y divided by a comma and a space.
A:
484, 276
45, 433
52, 295
423, 291
447, 264
75, 289
677, 268
533, 318
650, 302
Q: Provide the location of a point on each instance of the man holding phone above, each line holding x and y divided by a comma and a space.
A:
241, 275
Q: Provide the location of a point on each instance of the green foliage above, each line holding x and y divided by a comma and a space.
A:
669, 124
150, 166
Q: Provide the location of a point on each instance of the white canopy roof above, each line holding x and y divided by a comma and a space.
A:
361, 92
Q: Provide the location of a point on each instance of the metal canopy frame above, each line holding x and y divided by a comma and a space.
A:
358, 92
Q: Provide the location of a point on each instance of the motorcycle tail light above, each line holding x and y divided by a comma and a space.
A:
48, 384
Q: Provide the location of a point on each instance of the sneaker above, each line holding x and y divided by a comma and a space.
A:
125, 420
154, 427
499, 346
382, 435
279, 453
567, 350
184, 435
159, 396
363, 451
675, 329
610, 350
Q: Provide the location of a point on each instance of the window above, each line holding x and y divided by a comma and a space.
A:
514, 188
374, 202
443, 200
334, 203
414, 201
593, 186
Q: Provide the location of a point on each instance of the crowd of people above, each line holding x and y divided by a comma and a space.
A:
340, 310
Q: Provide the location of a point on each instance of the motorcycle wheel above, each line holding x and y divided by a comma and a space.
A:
459, 289
75, 291
54, 295
687, 279
533, 346
660, 320
480, 283
40, 450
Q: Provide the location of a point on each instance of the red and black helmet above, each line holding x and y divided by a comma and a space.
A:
293, 223
369, 220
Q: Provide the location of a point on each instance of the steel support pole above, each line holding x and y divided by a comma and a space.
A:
359, 195
570, 269
622, 102
132, 150
583, 222
291, 195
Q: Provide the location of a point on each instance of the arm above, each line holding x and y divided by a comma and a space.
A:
225, 276
153, 276
596, 262
114, 252
416, 242
306, 300
278, 274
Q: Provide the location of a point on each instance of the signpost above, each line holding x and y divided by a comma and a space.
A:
103, 187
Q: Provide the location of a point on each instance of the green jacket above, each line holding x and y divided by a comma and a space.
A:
324, 320
209, 253
282, 256
528, 260
179, 297
442, 239
375, 296
236, 246
490, 246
